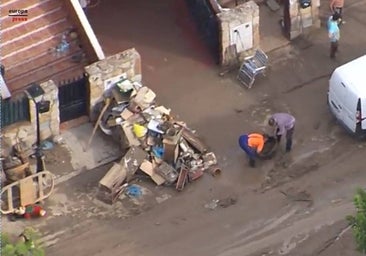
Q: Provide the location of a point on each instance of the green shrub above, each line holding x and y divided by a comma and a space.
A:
358, 221
25, 247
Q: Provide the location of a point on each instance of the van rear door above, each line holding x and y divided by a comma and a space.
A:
363, 114
349, 108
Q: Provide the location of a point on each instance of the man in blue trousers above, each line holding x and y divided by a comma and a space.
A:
252, 144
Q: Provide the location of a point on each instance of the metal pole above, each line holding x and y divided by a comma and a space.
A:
39, 153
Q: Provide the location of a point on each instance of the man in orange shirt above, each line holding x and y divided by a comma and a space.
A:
336, 6
252, 144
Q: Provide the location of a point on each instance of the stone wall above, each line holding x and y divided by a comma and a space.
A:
229, 20
49, 122
126, 63
303, 20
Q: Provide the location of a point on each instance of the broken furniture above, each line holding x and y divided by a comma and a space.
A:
17, 173
15, 165
251, 67
111, 185
30, 190
132, 160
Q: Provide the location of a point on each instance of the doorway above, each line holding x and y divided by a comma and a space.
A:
73, 98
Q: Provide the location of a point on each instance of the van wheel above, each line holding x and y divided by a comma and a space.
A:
360, 134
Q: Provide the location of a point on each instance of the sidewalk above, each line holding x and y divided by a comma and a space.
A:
69, 159
102, 150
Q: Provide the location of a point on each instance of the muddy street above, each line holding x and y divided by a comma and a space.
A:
293, 204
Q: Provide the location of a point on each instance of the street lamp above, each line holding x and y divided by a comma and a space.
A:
36, 93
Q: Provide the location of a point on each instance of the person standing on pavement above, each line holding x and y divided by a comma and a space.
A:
333, 34
336, 6
252, 144
284, 124
84, 5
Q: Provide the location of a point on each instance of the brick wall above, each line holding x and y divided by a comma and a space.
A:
28, 47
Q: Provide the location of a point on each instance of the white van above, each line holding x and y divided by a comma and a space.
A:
347, 95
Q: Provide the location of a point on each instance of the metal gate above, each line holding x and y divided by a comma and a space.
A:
73, 98
207, 23
14, 110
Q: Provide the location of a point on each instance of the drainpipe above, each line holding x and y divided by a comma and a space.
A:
88, 29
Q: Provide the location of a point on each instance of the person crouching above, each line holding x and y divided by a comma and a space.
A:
252, 144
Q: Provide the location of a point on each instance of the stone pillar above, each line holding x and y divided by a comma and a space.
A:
23, 132
49, 122
126, 64
315, 13
303, 20
244, 15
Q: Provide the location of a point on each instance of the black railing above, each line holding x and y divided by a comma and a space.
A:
14, 110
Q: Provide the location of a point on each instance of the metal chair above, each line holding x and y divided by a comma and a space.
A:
251, 67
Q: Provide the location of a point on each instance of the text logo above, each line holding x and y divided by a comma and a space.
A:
18, 15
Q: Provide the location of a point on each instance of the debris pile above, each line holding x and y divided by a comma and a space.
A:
159, 146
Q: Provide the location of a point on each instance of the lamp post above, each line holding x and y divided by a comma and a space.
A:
36, 93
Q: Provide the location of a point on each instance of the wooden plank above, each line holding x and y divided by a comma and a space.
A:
194, 141
115, 174
182, 179
10, 199
28, 193
133, 160
148, 168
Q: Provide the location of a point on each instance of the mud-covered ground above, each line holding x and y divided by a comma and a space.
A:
294, 204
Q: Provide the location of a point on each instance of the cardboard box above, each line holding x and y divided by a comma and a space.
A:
131, 138
171, 147
133, 160
148, 168
126, 114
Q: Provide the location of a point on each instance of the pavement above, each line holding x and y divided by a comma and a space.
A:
102, 150
71, 157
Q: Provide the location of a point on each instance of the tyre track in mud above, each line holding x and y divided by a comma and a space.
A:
318, 220
289, 230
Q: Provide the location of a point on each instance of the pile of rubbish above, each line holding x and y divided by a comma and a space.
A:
163, 148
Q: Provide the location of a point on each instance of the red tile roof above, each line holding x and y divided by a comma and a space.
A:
27, 48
